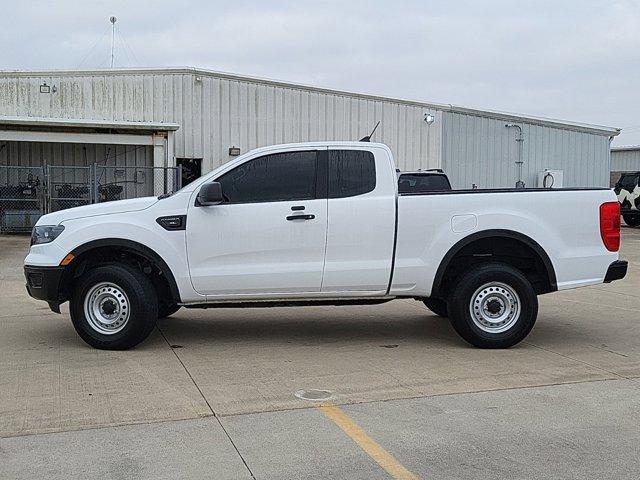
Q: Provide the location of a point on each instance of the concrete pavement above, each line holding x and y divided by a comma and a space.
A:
575, 431
245, 365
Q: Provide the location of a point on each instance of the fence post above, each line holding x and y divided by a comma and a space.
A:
93, 174
47, 191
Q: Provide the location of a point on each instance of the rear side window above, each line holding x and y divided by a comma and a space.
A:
272, 178
628, 182
422, 183
351, 173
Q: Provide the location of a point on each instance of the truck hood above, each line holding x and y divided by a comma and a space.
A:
107, 208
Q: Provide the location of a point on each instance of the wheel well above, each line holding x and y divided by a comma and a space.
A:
130, 253
515, 250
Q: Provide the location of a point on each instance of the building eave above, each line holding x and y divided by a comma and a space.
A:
626, 148
86, 123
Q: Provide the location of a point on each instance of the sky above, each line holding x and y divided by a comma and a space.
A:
570, 60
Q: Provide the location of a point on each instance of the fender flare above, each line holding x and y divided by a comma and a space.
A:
139, 249
531, 243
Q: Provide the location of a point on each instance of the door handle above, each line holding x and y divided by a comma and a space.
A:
307, 216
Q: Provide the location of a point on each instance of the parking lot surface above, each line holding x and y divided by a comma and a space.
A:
211, 393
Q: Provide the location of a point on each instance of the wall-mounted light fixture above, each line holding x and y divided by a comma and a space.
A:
429, 118
44, 88
234, 151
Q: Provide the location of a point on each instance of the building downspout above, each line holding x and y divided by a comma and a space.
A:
519, 161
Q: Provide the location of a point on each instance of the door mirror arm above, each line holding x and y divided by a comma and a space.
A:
210, 194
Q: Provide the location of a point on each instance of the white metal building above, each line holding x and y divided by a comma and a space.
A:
624, 159
164, 115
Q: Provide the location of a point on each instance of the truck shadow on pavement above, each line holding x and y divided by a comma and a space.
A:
279, 328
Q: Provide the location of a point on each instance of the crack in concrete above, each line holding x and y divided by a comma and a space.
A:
213, 413
568, 357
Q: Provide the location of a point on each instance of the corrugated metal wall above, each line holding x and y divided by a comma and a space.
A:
215, 113
625, 160
36, 154
482, 151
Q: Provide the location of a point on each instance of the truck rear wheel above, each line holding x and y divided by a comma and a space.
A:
114, 307
437, 306
631, 220
493, 306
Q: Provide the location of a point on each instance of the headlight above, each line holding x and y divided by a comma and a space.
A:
45, 233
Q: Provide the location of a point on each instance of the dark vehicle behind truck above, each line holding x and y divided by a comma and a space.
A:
627, 189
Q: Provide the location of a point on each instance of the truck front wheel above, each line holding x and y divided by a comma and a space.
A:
114, 307
493, 306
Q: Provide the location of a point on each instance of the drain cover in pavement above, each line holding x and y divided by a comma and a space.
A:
314, 395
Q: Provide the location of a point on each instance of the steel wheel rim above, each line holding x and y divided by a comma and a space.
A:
495, 307
106, 308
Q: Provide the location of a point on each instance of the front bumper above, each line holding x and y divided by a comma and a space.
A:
616, 271
43, 283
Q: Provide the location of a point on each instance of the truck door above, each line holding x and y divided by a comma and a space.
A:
361, 229
269, 235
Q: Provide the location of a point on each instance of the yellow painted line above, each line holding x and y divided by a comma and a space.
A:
366, 443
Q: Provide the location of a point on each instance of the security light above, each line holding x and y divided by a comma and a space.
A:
429, 118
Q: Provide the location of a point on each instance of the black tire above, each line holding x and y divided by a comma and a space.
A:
167, 309
437, 306
465, 291
631, 220
142, 304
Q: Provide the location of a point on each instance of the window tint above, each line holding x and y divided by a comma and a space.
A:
351, 172
628, 182
418, 183
272, 178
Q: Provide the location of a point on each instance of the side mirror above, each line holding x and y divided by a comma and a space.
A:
209, 194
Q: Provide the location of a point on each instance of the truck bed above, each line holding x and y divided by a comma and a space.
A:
562, 222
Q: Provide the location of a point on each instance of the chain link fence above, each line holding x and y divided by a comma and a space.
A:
117, 183
27, 193
68, 187
21, 198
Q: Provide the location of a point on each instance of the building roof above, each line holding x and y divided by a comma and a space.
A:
507, 116
625, 148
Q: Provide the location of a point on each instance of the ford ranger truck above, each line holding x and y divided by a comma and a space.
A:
317, 224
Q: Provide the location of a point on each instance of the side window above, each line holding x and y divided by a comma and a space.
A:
629, 182
272, 178
351, 172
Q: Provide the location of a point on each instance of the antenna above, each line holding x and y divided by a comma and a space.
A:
113, 21
368, 137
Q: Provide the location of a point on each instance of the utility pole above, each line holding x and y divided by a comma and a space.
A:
113, 21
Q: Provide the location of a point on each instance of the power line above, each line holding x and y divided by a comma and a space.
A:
104, 34
128, 51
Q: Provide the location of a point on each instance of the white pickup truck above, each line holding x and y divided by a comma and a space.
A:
322, 223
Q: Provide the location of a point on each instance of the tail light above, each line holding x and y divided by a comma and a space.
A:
610, 225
